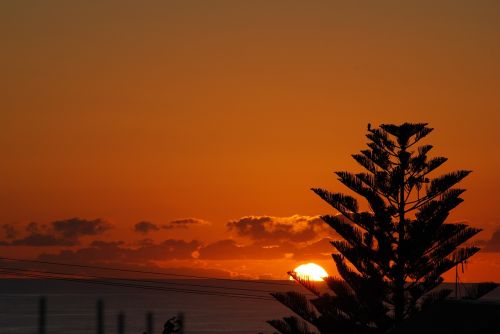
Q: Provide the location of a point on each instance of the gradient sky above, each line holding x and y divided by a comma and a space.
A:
220, 110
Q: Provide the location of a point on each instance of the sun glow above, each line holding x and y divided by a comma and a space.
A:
310, 271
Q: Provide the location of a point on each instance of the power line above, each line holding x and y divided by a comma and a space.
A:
85, 281
28, 273
144, 271
134, 280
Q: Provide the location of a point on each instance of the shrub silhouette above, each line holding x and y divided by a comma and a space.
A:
392, 256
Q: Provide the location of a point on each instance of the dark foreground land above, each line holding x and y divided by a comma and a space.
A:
71, 308
456, 317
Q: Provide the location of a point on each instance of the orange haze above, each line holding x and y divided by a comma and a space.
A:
228, 109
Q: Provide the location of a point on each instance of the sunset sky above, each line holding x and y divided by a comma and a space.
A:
187, 134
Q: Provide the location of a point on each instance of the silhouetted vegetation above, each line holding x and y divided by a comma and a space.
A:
392, 256
174, 325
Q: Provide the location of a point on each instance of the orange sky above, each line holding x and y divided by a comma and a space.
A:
226, 109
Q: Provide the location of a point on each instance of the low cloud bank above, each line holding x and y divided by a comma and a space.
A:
293, 229
67, 232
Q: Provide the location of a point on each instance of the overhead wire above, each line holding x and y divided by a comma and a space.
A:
136, 280
40, 274
145, 271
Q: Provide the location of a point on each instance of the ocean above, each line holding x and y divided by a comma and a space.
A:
71, 306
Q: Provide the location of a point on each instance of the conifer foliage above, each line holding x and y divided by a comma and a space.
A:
392, 256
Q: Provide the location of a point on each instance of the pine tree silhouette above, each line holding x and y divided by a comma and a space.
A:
392, 256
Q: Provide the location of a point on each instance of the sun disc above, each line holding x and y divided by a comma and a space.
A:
311, 272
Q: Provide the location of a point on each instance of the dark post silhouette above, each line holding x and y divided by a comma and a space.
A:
42, 315
100, 317
149, 323
121, 323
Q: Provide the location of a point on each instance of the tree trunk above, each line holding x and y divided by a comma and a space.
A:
399, 304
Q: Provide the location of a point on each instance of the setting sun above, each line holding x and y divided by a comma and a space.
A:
311, 271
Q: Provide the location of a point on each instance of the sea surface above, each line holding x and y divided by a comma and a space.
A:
71, 306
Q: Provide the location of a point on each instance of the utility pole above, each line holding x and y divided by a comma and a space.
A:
100, 317
42, 315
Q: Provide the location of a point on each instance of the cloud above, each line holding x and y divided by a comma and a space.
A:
185, 223
493, 245
42, 240
300, 237
106, 244
319, 249
60, 232
105, 252
295, 228
229, 249
9, 231
126, 269
75, 228
145, 227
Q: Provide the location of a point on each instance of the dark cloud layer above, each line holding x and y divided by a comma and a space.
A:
9, 231
230, 250
143, 269
75, 228
36, 239
184, 223
147, 251
105, 252
267, 238
295, 228
319, 249
59, 233
145, 227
